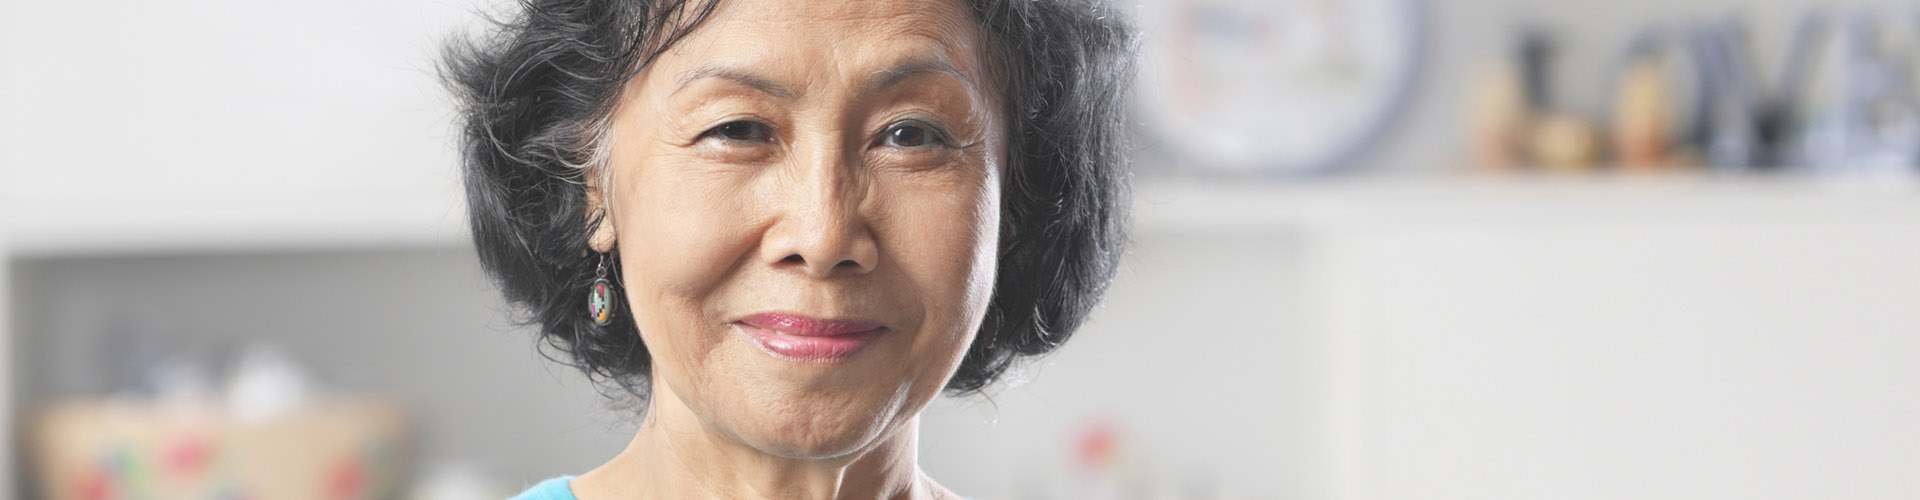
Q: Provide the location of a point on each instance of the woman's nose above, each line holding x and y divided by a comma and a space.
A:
822, 230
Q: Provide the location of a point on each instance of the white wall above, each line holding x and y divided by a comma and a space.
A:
209, 124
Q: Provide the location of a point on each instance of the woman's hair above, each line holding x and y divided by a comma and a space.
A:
537, 90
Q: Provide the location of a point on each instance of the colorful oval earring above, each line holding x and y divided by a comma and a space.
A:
600, 298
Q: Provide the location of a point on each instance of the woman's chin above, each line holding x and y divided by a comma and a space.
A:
824, 436
817, 410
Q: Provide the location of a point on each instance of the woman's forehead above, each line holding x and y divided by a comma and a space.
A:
845, 16
797, 43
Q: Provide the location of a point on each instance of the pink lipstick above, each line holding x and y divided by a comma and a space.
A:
800, 338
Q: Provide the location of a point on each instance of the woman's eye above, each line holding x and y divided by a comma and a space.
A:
911, 135
742, 131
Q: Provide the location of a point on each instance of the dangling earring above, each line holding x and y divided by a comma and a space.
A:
600, 295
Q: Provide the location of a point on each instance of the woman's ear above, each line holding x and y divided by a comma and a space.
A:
600, 235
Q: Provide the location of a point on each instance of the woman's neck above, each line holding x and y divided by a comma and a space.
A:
674, 456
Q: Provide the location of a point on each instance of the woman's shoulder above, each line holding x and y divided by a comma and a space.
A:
551, 489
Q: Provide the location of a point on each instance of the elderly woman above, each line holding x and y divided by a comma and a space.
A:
783, 227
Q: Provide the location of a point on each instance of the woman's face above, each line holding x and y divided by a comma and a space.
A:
805, 196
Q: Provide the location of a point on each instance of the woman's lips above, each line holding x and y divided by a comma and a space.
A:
800, 338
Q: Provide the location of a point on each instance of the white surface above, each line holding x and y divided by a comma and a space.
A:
1743, 340
1197, 356
219, 124
1517, 338
283, 219
1240, 208
1693, 357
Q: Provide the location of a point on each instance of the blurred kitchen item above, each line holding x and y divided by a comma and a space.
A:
1854, 105
1732, 106
183, 383
1507, 99
137, 354
121, 449
1103, 469
264, 383
1843, 102
1275, 86
1643, 128
1535, 52
1500, 116
1838, 102
265, 433
1793, 88
1658, 100
452, 480
1565, 143
1687, 87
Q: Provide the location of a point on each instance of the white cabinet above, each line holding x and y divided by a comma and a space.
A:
178, 126
1620, 338
1451, 338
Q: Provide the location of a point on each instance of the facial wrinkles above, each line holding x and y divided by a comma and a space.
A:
825, 160
824, 138
671, 291
968, 131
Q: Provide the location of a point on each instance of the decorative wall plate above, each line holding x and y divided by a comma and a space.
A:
1274, 86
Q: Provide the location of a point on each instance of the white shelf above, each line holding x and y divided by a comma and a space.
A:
1185, 206
235, 221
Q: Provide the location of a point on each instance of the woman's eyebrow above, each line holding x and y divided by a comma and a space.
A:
739, 76
879, 80
901, 72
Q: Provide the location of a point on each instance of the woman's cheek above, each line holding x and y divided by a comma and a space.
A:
957, 238
986, 256
688, 233
688, 240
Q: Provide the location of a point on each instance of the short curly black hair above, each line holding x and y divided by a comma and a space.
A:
536, 91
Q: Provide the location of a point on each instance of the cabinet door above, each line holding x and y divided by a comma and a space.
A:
154, 125
1684, 357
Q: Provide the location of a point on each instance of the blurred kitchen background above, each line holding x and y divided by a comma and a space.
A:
1384, 249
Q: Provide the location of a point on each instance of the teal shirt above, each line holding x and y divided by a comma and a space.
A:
551, 489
